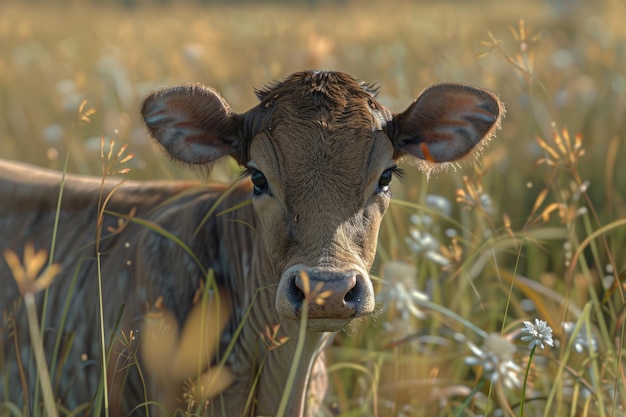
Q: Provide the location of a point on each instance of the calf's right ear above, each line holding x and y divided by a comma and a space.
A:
193, 123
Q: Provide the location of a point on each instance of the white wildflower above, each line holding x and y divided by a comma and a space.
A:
538, 334
439, 203
496, 359
400, 291
581, 341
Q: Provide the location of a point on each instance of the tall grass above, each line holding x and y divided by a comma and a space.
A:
536, 229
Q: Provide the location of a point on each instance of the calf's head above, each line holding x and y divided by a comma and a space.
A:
320, 152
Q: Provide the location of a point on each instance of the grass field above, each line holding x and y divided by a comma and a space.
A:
536, 229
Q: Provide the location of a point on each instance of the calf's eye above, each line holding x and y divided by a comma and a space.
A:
385, 180
259, 181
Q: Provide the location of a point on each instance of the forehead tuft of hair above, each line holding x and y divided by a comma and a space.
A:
325, 86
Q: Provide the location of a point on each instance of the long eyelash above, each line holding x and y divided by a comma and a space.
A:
247, 172
398, 172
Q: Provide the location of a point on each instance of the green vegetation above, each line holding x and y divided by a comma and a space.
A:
536, 229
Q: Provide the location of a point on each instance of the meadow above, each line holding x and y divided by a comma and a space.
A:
534, 229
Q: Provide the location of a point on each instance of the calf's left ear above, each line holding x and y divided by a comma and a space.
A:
446, 122
193, 123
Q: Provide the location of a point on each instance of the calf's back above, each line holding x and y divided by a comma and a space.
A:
140, 264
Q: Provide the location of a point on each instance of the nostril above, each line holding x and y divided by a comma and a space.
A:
349, 295
296, 289
354, 294
298, 286
297, 293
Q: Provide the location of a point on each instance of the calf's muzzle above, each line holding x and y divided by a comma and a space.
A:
335, 297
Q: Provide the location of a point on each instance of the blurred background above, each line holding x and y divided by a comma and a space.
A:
56, 54
558, 65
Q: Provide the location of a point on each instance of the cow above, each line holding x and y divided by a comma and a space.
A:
225, 295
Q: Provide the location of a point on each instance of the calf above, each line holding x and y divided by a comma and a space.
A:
208, 286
